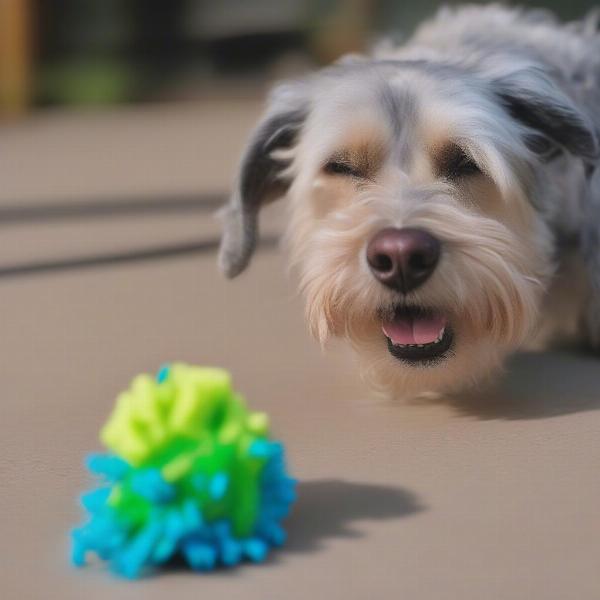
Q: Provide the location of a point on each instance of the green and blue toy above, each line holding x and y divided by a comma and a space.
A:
191, 473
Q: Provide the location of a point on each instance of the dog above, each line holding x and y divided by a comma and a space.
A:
444, 197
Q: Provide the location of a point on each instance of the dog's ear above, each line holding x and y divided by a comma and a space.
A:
261, 178
532, 98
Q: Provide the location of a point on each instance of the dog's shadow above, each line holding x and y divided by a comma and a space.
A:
330, 508
537, 385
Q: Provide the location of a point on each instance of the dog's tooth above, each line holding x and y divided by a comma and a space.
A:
420, 345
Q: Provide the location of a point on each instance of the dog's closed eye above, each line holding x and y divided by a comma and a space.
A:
360, 160
339, 166
455, 163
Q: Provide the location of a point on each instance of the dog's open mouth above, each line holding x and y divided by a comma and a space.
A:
418, 335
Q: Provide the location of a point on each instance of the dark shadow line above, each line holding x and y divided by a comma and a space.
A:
118, 258
99, 208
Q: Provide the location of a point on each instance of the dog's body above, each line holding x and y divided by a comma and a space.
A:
445, 201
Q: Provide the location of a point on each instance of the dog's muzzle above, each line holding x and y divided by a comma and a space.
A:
402, 260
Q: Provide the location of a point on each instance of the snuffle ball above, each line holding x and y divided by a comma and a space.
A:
191, 473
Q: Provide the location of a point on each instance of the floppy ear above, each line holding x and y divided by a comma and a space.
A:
532, 98
260, 178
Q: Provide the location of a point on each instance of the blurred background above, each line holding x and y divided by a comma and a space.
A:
81, 52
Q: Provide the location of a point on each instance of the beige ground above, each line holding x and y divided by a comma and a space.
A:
493, 497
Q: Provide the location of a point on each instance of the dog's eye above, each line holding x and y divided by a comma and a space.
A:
339, 167
459, 164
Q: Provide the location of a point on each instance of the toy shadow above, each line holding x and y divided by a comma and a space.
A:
537, 385
329, 508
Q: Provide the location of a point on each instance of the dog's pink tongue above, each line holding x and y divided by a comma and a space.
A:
414, 330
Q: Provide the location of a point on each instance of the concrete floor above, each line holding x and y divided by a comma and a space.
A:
493, 496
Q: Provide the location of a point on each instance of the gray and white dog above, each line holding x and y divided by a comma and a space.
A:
444, 196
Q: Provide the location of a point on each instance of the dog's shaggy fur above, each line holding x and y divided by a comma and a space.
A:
482, 130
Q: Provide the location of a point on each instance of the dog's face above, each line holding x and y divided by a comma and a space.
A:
412, 226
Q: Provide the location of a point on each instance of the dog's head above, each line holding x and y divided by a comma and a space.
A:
415, 223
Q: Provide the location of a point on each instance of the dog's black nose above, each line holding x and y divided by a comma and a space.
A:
403, 259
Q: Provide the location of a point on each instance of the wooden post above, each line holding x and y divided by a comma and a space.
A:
15, 56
